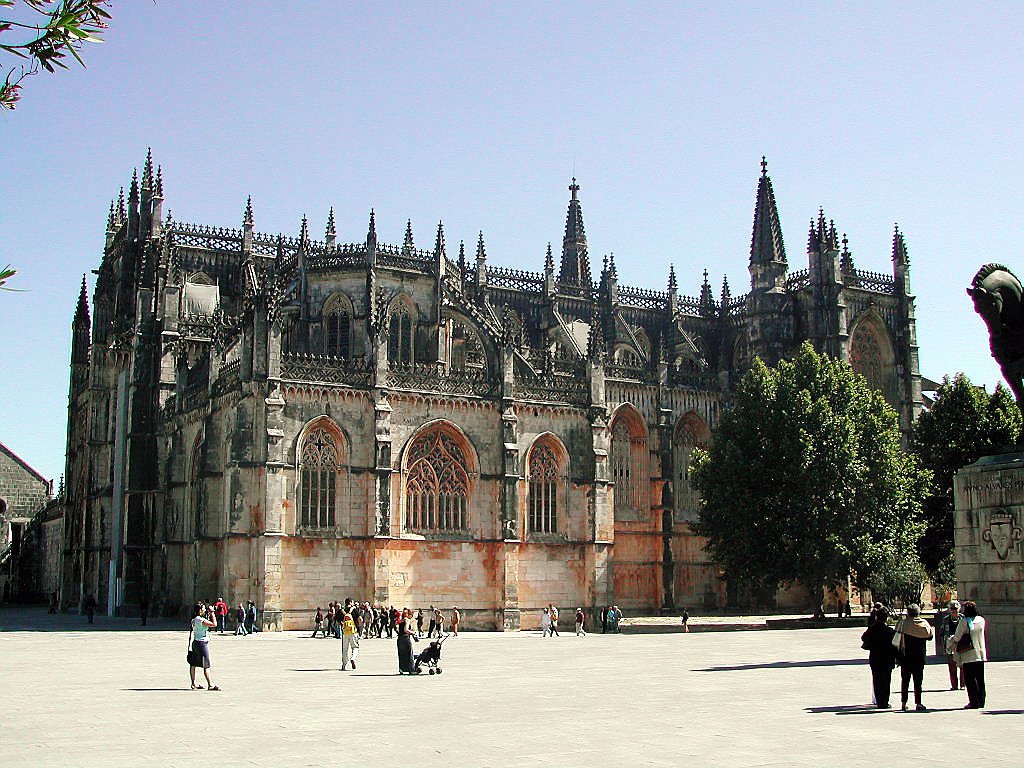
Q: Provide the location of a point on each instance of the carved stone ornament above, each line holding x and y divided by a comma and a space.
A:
1002, 533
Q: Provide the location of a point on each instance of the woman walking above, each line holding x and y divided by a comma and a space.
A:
349, 640
405, 635
877, 640
200, 656
972, 658
916, 634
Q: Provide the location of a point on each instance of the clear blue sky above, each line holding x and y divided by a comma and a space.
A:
479, 116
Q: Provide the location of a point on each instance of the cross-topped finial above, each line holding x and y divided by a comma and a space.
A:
247, 219
330, 231
764, 166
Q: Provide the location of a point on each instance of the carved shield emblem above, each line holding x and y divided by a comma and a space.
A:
1002, 533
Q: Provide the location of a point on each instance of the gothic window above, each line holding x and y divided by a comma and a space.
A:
627, 356
318, 479
437, 484
629, 466
337, 326
690, 434
871, 357
467, 351
195, 490
400, 336
545, 482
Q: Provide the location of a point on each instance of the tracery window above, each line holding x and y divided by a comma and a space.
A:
689, 436
628, 469
400, 336
318, 479
870, 359
543, 502
437, 484
627, 356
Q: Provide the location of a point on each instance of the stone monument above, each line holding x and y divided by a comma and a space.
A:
988, 515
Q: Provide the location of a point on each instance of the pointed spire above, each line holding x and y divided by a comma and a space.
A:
247, 218
726, 293
766, 245
159, 182
481, 261
613, 271
812, 238
111, 227
133, 190
121, 215
147, 169
439, 245
462, 259
82, 308
900, 255
371, 233
549, 261
330, 233
304, 230
846, 258
707, 300
407, 244
672, 285
575, 267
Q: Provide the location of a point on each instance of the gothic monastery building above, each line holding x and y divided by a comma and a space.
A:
292, 421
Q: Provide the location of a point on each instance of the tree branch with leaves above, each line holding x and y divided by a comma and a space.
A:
48, 32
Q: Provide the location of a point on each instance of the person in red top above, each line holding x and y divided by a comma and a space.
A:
221, 609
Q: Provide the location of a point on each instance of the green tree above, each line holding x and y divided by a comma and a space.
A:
805, 479
964, 424
47, 31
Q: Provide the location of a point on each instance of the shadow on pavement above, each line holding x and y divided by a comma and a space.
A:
868, 709
37, 619
1003, 712
788, 665
147, 690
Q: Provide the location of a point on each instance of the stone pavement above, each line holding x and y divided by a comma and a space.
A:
74, 695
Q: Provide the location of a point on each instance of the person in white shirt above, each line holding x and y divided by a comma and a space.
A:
545, 624
202, 620
972, 659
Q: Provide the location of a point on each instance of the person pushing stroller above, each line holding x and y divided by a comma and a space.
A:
431, 657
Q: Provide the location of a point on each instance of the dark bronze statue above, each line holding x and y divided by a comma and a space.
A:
997, 296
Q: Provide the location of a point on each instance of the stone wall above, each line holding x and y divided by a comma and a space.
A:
23, 492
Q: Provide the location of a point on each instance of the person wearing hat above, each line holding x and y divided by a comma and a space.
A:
947, 628
916, 634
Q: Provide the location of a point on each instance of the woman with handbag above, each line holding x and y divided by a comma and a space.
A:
914, 634
971, 652
949, 624
199, 646
877, 640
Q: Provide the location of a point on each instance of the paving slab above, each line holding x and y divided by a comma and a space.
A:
115, 694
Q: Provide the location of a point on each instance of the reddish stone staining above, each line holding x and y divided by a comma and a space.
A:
307, 547
255, 518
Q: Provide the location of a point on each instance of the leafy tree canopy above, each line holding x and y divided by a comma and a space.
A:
43, 33
806, 479
964, 424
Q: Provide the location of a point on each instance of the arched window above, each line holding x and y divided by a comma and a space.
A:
629, 466
545, 487
337, 323
318, 479
871, 356
691, 433
400, 336
437, 484
627, 356
195, 490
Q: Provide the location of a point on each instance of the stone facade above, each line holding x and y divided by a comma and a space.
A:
292, 420
23, 493
988, 529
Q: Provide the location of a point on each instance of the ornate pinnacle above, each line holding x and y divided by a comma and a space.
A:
407, 244
672, 286
120, 206
247, 219
133, 190
613, 271
899, 248
371, 234
549, 260
846, 259
159, 182
439, 248
330, 231
147, 168
462, 258
169, 217
707, 301
481, 254
764, 166
726, 293
304, 230
82, 310
812, 238
110, 218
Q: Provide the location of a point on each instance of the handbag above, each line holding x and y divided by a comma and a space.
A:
897, 639
965, 643
194, 658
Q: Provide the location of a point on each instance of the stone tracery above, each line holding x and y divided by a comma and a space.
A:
437, 485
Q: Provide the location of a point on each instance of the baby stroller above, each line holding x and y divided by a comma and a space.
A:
431, 656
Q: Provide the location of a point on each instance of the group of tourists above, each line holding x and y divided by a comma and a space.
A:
962, 640
376, 621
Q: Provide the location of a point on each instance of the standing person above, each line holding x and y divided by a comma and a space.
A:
240, 620
972, 658
604, 620
554, 619
686, 620
916, 634
405, 635
250, 618
90, 606
318, 622
456, 618
201, 622
221, 608
433, 622
877, 640
946, 629
419, 621
144, 608
618, 618
53, 602
545, 623
349, 640
439, 621
580, 619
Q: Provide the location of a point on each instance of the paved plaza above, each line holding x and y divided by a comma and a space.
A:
115, 694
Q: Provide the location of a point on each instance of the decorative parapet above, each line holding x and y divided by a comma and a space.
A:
325, 369
875, 282
798, 280
551, 388
429, 377
626, 372
514, 279
642, 298
228, 379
